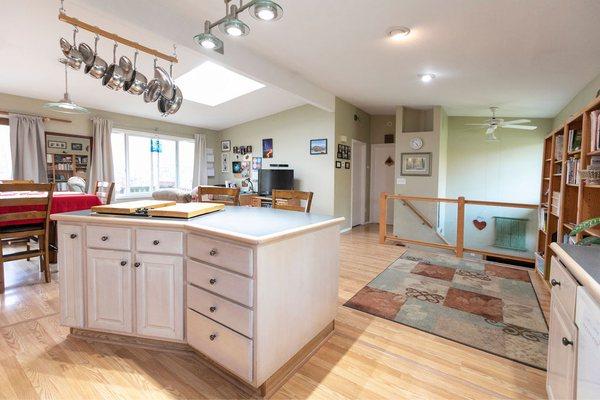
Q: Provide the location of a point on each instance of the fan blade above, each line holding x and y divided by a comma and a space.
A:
524, 127
490, 130
476, 124
516, 122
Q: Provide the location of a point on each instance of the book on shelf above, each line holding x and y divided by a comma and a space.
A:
595, 125
572, 169
558, 147
542, 217
574, 142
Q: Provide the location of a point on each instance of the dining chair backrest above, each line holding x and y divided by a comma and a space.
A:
17, 181
21, 196
292, 200
222, 195
104, 191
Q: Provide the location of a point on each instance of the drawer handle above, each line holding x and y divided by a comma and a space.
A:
567, 342
156, 242
212, 309
73, 235
213, 252
104, 238
212, 337
554, 282
137, 265
123, 263
212, 281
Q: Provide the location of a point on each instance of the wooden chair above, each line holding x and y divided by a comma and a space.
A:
292, 200
223, 195
104, 191
24, 240
16, 181
39, 230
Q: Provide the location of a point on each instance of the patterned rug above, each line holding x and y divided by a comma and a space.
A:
484, 305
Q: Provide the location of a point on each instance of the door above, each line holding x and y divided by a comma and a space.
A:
70, 265
109, 290
159, 295
562, 349
359, 182
382, 177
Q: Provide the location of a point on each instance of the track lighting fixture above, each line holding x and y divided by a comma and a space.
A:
231, 25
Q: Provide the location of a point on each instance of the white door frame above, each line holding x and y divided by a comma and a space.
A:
363, 193
374, 147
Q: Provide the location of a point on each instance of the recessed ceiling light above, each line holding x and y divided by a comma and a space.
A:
212, 84
427, 77
398, 32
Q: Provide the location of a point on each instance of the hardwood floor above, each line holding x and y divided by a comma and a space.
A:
368, 357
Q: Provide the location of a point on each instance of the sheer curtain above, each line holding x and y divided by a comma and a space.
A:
28, 147
200, 172
101, 167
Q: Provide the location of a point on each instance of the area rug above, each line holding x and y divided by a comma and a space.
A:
484, 305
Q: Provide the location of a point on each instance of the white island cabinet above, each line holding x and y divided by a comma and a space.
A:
253, 290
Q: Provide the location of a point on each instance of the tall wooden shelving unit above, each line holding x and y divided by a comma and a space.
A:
576, 202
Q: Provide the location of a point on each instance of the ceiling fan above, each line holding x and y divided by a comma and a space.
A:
494, 123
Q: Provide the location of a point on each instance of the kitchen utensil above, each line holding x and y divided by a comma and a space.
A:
152, 92
175, 104
138, 82
115, 76
74, 57
97, 68
125, 63
86, 53
166, 82
162, 105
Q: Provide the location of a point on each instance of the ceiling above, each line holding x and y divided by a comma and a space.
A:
529, 57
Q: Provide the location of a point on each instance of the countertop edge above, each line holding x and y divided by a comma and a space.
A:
591, 285
181, 224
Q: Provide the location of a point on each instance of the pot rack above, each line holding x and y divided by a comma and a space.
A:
62, 16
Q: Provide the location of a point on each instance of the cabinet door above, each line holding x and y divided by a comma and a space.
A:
70, 265
562, 350
159, 295
109, 290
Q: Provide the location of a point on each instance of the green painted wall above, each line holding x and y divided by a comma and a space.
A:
587, 94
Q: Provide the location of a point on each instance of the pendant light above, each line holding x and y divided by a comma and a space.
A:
66, 105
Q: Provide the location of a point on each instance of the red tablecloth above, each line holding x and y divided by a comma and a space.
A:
61, 202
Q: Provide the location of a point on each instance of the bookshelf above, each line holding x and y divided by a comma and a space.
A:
66, 156
566, 200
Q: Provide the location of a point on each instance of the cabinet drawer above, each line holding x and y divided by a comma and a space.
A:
227, 313
562, 354
227, 284
224, 346
564, 287
153, 241
227, 255
104, 237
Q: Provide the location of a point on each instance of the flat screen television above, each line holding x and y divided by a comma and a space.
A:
269, 179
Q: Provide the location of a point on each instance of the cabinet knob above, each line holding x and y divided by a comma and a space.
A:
137, 264
123, 263
212, 281
213, 252
73, 235
567, 342
104, 238
156, 242
213, 337
554, 282
212, 309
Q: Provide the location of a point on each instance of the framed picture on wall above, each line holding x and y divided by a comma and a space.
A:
267, 148
338, 164
225, 145
318, 146
415, 164
347, 165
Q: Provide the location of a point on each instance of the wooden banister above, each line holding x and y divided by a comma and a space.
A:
382, 216
419, 214
460, 227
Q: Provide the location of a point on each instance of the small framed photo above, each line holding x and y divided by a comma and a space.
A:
347, 165
338, 164
248, 149
339, 154
77, 146
236, 167
415, 164
55, 144
225, 146
267, 148
242, 150
318, 146
236, 149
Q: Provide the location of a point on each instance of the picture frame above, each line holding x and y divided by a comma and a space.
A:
224, 162
236, 150
236, 167
338, 164
77, 146
225, 145
56, 144
415, 164
318, 147
248, 149
347, 165
267, 148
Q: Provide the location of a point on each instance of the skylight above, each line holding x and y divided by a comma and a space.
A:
212, 84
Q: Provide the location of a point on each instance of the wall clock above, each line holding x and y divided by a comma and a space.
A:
416, 143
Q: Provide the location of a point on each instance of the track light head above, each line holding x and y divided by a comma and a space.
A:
234, 27
209, 41
266, 10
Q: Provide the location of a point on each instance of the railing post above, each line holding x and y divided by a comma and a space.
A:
460, 227
382, 216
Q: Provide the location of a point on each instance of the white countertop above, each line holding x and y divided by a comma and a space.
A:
584, 263
252, 225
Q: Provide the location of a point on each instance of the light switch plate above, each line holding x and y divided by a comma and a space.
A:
401, 181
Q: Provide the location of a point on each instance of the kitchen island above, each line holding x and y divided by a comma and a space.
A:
253, 290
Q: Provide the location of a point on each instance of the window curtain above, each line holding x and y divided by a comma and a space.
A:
101, 167
28, 147
200, 172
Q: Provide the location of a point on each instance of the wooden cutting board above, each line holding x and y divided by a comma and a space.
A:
131, 206
186, 210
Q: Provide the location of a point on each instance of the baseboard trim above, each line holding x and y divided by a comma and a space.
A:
345, 230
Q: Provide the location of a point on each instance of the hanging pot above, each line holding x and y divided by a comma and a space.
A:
125, 64
115, 76
97, 68
138, 82
165, 81
175, 104
152, 92
73, 56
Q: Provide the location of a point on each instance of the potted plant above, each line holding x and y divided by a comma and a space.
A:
587, 224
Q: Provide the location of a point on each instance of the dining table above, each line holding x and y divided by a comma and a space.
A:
61, 202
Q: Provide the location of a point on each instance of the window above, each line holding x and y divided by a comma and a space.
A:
144, 163
5, 157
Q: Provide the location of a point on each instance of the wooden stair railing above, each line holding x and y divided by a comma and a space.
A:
424, 219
